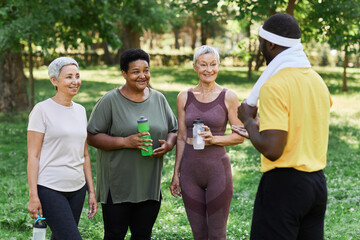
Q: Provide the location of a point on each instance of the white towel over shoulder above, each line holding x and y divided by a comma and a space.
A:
293, 57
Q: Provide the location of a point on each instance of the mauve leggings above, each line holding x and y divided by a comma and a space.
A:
62, 211
207, 189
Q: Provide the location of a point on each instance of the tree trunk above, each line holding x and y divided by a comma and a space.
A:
259, 59
151, 40
108, 58
249, 73
344, 79
31, 76
130, 38
291, 7
134, 37
13, 94
193, 34
271, 11
176, 36
204, 33
193, 39
248, 33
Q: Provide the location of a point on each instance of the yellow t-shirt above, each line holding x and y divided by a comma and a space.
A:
296, 100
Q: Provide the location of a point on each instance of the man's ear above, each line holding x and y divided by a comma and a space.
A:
271, 46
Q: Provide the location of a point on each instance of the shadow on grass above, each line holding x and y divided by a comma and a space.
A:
342, 180
343, 150
333, 81
341, 172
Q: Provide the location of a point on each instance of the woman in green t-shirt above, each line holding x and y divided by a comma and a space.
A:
128, 184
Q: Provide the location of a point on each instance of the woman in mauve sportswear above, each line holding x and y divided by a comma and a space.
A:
203, 177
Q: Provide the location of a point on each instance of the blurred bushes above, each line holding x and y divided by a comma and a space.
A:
322, 57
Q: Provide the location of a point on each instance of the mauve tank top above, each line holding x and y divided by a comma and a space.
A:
214, 114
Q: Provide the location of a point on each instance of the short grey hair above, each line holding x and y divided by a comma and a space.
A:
56, 65
206, 49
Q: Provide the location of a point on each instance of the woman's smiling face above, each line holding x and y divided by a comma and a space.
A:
69, 80
207, 67
138, 75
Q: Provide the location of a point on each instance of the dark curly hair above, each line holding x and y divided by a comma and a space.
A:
131, 55
283, 25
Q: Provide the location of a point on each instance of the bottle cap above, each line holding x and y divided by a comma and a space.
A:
197, 121
142, 119
40, 222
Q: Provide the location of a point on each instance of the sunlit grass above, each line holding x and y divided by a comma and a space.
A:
343, 212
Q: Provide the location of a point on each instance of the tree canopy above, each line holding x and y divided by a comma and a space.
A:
46, 25
30, 26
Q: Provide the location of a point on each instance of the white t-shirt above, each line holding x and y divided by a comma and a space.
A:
62, 152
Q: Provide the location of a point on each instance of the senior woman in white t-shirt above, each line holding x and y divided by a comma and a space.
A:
59, 170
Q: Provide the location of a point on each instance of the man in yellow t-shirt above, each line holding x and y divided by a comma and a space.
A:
292, 139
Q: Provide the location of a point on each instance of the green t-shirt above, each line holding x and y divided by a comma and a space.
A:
128, 175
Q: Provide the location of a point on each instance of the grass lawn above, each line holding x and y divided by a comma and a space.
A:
343, 212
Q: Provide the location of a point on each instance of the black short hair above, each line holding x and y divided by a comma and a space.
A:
131, 55
283, 25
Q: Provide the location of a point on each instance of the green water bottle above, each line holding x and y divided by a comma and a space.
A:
143, 126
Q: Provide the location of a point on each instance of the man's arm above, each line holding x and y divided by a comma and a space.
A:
270, 143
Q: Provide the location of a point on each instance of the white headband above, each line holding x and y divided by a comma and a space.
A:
279, 40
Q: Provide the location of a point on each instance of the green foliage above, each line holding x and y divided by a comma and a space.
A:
49, 23
341, 171
244, 52
259, 10
176, 12
141, 14
335, 23
203, 10
326, 20
210, 15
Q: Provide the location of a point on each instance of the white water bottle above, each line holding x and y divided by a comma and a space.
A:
198, 141
39, 229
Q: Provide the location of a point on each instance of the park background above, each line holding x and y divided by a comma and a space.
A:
95, 32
